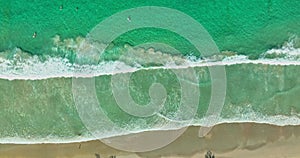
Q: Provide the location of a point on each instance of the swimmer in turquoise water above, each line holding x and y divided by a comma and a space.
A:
129, 19
34, 35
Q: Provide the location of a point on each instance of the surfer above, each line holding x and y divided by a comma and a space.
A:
129, 19
34, 35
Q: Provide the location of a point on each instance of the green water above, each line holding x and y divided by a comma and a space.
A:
41, 108
35, 109
246, 27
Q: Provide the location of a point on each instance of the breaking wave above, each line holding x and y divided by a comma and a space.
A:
26, 67
22, 66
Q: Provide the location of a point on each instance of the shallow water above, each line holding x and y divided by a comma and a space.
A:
44, 110
259, 50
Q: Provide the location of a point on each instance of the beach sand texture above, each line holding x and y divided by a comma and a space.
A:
234, 140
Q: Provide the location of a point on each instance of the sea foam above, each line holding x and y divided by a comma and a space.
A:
204, 122
32, 68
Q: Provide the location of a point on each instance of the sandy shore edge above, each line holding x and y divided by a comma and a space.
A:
226, 140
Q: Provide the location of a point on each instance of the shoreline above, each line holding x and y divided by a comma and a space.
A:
82, 139
224, 140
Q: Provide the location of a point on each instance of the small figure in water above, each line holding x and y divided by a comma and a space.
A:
60, 7
209, 154
77, 8
129, 19
34, 35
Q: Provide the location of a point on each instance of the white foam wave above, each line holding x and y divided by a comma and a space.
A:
287, 51
48, 140
242, 115
278, 120
34, 69
26, 67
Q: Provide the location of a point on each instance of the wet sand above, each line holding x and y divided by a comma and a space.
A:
245, 140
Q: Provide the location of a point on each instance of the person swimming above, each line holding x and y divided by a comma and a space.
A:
129, 18
34, 35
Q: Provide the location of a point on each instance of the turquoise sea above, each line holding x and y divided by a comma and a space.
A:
46, 51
